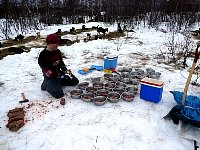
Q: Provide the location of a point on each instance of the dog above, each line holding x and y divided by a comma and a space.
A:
37, 35
88, 36
19, 37
103, 30
72, 30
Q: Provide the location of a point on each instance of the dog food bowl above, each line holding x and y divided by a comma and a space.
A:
91, 90
98, 85
125, 74
150, 71
87, 97
117, 77
126, 80
109, 85
135, 81
99, 100
112, 79
137, 75
156, 75
113, 97
134, 74
76, 93
119, 90
118, 84
102, 92
133, 90
83, 85
126, 69
96, 79
140, 71
106, 75
127, 96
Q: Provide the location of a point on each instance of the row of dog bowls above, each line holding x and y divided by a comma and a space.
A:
111, 86
128, 76
127, 72
102, 96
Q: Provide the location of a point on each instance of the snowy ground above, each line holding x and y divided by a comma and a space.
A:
136, 125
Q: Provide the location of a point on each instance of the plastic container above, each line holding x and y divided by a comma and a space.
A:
110, 62
151, 90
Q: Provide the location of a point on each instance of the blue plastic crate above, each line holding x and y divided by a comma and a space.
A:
110, 62
151, 90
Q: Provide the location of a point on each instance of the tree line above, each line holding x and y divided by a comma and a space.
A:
33, 14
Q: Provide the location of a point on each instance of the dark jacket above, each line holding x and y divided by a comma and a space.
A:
51, 60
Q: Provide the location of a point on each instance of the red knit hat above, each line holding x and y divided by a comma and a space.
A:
52, 39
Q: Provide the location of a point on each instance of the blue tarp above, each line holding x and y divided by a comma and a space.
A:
190, 112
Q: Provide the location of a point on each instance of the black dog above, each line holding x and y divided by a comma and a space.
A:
84, 28
19, 37
88, 36
100, 29
72, 29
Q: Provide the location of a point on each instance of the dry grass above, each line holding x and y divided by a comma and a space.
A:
21, 44
113, 35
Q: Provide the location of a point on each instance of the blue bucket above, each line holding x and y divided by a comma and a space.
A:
110, 62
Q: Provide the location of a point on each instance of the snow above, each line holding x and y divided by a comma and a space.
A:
136, 125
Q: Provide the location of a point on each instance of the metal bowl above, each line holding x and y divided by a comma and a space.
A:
119, 90
133, 90
102, 92
113, 97
96, 79
87, 97
76, 93
109, 85
127, 96
98, 85
83, 85
126, 69
106, 75
112, 79
118, 84
99, 100
91, 90
136, 75
117, 77
150, 71
126, 80
125, 74
135, 81
156, 75
140, 71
